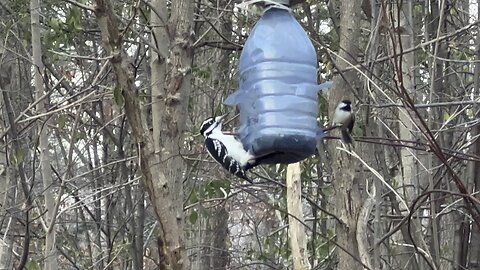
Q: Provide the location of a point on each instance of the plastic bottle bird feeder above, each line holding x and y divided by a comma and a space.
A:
277, 97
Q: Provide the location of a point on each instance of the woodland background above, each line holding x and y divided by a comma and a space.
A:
102, 166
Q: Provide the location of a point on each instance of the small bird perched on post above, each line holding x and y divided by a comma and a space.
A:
344, 118
227, 150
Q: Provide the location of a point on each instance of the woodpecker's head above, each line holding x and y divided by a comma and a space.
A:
212, 123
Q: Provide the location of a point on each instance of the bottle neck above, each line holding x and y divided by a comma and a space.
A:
277, 2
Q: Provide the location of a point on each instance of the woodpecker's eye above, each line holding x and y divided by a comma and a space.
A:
206, 124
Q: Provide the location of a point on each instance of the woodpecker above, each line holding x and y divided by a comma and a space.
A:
227, 150
345, 119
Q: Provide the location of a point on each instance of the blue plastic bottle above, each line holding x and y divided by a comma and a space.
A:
278, 90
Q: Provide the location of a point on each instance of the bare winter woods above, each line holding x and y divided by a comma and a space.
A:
102, 165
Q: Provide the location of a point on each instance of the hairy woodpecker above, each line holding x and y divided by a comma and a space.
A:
345, 119
227, 150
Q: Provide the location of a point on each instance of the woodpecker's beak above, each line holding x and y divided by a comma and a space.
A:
221, 117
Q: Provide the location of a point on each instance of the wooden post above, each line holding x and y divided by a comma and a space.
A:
298, 238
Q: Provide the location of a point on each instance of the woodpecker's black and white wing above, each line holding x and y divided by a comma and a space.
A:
218, 151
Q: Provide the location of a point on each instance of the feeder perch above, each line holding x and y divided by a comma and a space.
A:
277, 95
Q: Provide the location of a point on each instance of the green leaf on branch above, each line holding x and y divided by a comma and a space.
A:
193, 217
118, 96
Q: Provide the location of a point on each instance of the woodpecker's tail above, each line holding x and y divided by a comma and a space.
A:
244, 176
258, 160
238, 171
347, 137
249, 165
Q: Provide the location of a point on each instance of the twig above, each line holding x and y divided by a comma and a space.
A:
409, 50
376, 173
80, 5
426, 106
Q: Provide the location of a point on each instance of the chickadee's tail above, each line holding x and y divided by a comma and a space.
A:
347, 137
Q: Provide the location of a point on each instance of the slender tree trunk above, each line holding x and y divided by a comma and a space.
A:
474, 169
7, 198
382, 155
6, 246
405, 76
437, 94
46, 172
213, 230
163, 170
347, 199
213, 253
7, 182
160, 38
455, 228
99, 246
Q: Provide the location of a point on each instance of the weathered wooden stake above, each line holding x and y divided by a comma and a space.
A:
298, 238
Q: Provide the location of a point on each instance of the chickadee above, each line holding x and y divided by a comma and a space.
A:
345, 119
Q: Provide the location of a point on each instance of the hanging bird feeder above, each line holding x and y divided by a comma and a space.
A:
277, 95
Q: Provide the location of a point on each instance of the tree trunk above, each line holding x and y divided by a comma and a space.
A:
7, 181
214, 254
474, 170
46, 172
162, 170
347, 200
407, 178
158, 66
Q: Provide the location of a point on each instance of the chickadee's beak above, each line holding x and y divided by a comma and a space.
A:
221, 117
